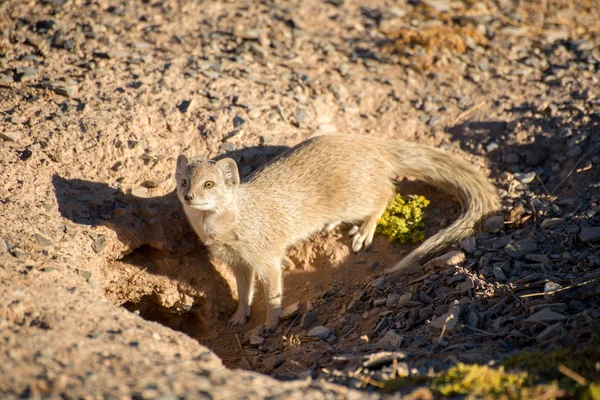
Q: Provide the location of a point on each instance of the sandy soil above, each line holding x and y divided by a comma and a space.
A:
98, 98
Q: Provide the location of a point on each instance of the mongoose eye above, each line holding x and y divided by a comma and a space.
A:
209, 184
184, 182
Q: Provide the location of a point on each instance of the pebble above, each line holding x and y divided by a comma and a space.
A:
273, 361
472, 319
590, 234
18, 253
543, 317
290, 311
405, 299
511, 158
99, 243
391, 340
3, 246
551, 222
499, 274
469, 245
525, 177
309, 319
184, 105
493, 224
501, 242
449, 319
378, 283
551, 332
467, 285
10, 136
574, 151
42, 241
391, 299
436, 119
256, 341
540, 258
66, 88
450, 259
320, 332
25, 74
518, 249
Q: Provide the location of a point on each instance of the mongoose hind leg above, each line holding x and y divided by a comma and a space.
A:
363, 236
331, 226
244, 277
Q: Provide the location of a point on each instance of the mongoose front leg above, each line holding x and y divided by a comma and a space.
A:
271, 277
244, 277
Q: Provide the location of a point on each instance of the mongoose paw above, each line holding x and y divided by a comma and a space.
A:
269, 328
362, 237
239, 318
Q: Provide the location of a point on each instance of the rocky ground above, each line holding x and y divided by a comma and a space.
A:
99, 97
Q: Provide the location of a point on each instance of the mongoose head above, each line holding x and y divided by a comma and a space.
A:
206, 185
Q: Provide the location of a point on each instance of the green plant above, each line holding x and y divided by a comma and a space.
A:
403, 219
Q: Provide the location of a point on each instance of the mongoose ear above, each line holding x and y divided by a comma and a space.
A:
182, 162
230, 169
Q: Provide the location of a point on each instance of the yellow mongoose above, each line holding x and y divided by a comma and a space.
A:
317, 184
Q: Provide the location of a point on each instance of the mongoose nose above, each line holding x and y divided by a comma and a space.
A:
189, 197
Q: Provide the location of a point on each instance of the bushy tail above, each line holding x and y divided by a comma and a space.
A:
478, 197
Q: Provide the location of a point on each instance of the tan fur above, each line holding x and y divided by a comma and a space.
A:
314, 185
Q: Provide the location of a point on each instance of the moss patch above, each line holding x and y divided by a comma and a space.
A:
403, 219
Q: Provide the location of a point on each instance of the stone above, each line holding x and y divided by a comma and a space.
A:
391, 299
378, 283
3, 247
42, 241
256, 341
467, 285
543, 317
309, 319
472, 319
493, 224
499, 274
405, 299
449, 319
320, 332
66, 88
391, 340
273, 361
383, 325
238, 121
99, 243
501, 242
25, 74
290, 311
548, 223
527, 177
450, 259
184, 106
469, 245
518, 249
590, 234
539, 258
10, 136
551, 332
511, 158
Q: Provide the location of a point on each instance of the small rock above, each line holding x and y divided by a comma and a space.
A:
467, 285
238, 121
525, 177
574, 151
320, 332
540, 258
550, 289
469, 245
499, 274
256, 340
42, 241
436, 119
590, 234
25, 74
378, 283
544, 316
300, 115
391, 299
99, 243
501, 242
84, 274
551, 332
245, 364
10, 136
450, 259
472, 319
18, 253
449, 319
309, 319
290, 311
3, 246
383, 325
405, 299
391, 340
66, 88
551, 222
518, 249
184, 105
493, 224
273, 361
